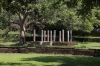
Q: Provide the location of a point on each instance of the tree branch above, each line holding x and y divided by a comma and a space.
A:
20, 16
26, 14
33, 23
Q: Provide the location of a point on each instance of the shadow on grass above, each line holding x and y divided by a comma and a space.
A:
16, 64
67, 60
17, 44
1, 45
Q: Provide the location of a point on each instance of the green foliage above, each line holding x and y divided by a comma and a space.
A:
56, 13
17, 5
4, 19
62, 16
96, 17
86, 26
86, 6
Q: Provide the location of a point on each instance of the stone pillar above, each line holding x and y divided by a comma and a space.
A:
70, 35
54, 36
48, 35
51, 38
34, 35
59, 36
62, 35
44, 35
67, 36
41, 37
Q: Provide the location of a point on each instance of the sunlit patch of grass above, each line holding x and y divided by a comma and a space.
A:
7, 43
85, 37
17, 44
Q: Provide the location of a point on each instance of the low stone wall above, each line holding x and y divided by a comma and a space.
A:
51, 50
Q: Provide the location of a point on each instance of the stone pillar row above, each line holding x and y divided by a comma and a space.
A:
51, 36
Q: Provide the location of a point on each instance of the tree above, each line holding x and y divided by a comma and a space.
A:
87, 11
22, 8
86, 6
65, 17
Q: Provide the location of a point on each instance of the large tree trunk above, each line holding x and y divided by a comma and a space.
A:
22, 33
22, 18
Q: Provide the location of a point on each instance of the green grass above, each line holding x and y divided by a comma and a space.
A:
80, 45
83, 45
7, 44
7, 59
87, 45
11, 44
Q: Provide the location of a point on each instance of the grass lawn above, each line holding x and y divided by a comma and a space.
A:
86, 36
8, 43
80, 45
84, 45
13, 59
87, 45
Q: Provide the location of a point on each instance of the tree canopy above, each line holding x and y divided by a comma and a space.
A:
85, 5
